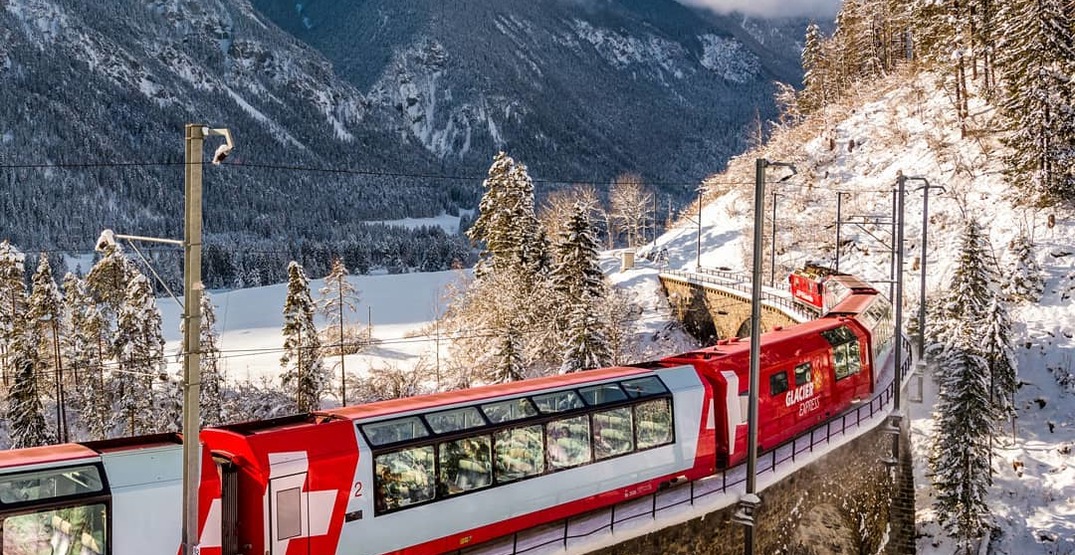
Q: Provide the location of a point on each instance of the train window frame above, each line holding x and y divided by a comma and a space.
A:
541, 457
288, 511
590, 393
369, 430
583, 439
99, 533
445, 466
433, 419
567, 400
638, 388
776, 385
381, 496
807, 376
601, 449
511, 405
504, 423
92, 481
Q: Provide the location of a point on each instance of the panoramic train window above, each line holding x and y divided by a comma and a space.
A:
465, 464
403, 478
506, 411
558, 402
520, 452
603, 394
568, 442
846, 358
644, 387
455, 420
654, 423
49, 483
613, 433
80, 530
391, 431
803, 375
778, 383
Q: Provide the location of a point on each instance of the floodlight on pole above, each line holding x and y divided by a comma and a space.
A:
749, 502
194, 141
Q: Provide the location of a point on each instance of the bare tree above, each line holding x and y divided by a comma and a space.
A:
629, 202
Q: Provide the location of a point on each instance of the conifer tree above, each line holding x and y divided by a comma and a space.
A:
966, 422
25, 414
212, 389
816, 72
1025, 280
46, 317
138, 345
996, 348
508, 363
1037, 59
12, 304
85, 350
304, 375
972, 280
108, 280
507, 225
580, 284
339, 298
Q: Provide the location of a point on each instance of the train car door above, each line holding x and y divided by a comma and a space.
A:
289, 515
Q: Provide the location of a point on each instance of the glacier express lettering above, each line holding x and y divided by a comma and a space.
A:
799, 394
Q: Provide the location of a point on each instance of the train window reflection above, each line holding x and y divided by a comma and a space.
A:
506, 411
79, 530
654, 423
558, 402
568, 442
644, 387
613, 433
465, 464
403, 478
454, 420
50, 483
778, 383
803, 374
520, 452
603, 394
391, 431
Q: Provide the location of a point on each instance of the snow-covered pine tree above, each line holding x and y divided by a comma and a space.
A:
84, 351
138, 346
46, 316
339, 299
558, 206
304, 375
25, 414
817, 77
108, 280
965, 424
507, 225
972, 281
211, 400
996, 348
1037, 59
1026, 283
12, 304
580, 285
508, 365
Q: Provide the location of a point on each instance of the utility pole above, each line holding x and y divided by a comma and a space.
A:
897, 247
192, 316
772, 250
839, 221
698, 257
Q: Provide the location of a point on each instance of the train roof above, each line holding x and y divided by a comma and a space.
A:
47, 454
408, 404
775, 343
853, 283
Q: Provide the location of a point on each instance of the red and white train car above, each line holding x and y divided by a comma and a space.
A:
437, 473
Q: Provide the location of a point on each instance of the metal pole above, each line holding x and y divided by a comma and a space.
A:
901, 182
698, 258
892, 253
839, 220
192, 288
755, 346
772, 250
922, 277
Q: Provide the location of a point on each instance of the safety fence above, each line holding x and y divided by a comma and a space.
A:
739, 285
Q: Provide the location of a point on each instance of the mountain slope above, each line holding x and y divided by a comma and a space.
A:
574, 88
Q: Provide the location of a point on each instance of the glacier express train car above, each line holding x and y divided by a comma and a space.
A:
436, 473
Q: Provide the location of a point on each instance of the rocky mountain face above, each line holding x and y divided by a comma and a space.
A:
345, 112
577, 89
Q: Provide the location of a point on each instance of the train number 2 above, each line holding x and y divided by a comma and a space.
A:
358, 489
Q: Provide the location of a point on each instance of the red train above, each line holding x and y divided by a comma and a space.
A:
820, 288
440, 472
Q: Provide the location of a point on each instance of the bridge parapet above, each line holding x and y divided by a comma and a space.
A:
717, 306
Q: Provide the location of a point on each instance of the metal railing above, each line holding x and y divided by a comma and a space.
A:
724, 482
738, 284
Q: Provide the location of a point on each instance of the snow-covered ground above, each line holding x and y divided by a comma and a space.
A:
905, 126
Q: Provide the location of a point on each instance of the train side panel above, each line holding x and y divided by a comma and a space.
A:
146, 486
